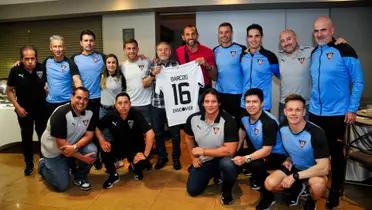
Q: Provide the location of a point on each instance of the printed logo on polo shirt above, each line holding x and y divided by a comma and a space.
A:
260, 61
85, 122
282, 60
39, 74
141, 66
130, 123
198, 126
63, 67
96, 58
216, 130
302, 60
330, 55
233, 53
21, 75
302, 143
256, 131
114, 123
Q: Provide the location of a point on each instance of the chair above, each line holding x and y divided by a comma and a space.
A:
359, 148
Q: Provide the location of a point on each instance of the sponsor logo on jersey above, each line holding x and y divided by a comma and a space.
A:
39, 74
182, 109
302, 143
141, 66
216, 130
330, 55
21, 75
302, 60
130, 123
114, 123
233, 53
260, 61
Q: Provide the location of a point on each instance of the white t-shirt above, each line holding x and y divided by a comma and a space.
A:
134, 74
180, 86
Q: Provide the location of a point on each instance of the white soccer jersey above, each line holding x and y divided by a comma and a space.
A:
180, 86
134, 74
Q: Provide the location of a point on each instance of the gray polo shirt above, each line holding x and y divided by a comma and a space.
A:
295, 73
214, 135
65, 124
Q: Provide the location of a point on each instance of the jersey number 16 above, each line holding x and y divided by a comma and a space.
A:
180, 94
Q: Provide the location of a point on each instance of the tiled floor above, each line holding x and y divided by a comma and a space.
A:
161, 189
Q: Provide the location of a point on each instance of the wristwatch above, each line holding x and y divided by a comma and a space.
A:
248, 158
75, 147
296, 176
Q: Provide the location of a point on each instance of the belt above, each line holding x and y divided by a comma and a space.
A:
107, 107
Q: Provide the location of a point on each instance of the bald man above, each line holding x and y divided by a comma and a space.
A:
333, 104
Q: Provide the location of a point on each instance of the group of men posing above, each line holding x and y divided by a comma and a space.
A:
315, 80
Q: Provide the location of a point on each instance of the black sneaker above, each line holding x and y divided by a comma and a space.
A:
161, 163
255, 185
83, 184
297, 191
226, 198
112, 179
309, 204
333, 200
138, 175
265, 203
176, 164
29, 168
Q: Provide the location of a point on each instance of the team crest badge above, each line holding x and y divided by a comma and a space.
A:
95, 58
233, 53
302, 143
256, 131
282, 60
215, 130
85, 122
260, 61
302, 60
329, 56
141, 67
39, 74
130, 123
63, 67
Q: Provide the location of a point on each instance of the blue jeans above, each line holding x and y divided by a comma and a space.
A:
145, 111
158, 121
56, 171
106, 132
282, 117
199, 177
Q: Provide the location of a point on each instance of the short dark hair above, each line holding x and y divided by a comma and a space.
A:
294, 97
130, 41
190, 26
87, 32
27, 47
256, 92
125, 94
84, 89
226, 24
255, 26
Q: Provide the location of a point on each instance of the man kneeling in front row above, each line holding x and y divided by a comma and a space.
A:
132, 139
308, 160
67, 139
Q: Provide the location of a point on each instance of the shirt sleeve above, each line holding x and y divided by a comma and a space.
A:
188, 128
230, 130
73, 68
142, 123
12, 77
269, 133
58, 125
319, 143
92, 123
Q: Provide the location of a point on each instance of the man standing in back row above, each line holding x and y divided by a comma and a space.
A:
193, 50
334, 69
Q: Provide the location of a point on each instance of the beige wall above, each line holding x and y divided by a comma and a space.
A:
144, 31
